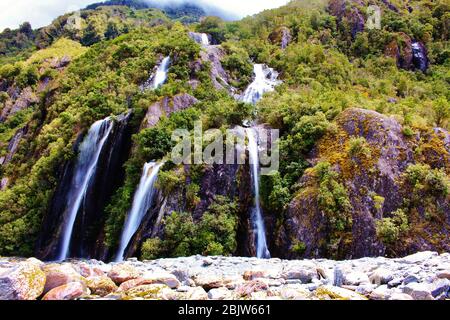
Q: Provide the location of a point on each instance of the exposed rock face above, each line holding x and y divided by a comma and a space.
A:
416, 277
410, 55
21, 281
18, 102
346, 9
14, 145
281, 36
87, 240
166, 107
219, 77
379, 175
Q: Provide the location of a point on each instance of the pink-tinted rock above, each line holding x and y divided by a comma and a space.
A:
123, 272
60, 274
69, 291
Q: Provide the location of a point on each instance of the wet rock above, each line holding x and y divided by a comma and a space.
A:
69, 291
123, 272
23, 281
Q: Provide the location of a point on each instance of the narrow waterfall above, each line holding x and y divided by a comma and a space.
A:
85, 168
265, 81
257, 219
142, 202
161, 73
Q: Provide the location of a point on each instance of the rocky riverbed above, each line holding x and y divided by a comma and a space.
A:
422, 276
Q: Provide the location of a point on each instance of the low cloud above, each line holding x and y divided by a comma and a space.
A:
43, 12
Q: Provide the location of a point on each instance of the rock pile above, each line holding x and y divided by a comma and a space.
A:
422, 276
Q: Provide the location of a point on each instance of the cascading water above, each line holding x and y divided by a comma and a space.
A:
141, 204
200, 38
265, 81
205, 40
257, 219
161, 73
85, 168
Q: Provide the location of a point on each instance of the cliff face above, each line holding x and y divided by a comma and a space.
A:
87, 239
376, 186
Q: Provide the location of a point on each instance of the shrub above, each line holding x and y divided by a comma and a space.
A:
358, 147
390, 229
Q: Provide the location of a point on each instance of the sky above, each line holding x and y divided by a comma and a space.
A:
42, 12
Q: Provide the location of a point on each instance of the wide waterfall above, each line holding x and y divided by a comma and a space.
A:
161, 73
257, 219
200, 38
142, 202
85, 169
265, 81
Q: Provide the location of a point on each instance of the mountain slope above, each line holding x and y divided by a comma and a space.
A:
363, 116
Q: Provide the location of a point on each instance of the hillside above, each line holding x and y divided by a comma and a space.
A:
363, 116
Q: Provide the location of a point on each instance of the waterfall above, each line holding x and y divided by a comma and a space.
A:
142, 202
205, 40
161, 73
200, 38
257, 219
85, 169
265, 81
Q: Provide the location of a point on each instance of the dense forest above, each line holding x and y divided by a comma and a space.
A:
363, 115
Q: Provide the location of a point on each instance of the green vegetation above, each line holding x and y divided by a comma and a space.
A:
214, 234
75, 76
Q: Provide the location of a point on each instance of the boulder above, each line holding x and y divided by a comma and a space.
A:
69, 291
419, 291
220, 294
249, 287
336, 293
197, 293
146, 292
151, 278
60, 274
23, 281
381, 276
120, 273
355, 278
101, 285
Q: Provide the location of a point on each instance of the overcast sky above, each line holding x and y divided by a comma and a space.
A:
41, 12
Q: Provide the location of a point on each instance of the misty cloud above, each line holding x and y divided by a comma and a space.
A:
43, 12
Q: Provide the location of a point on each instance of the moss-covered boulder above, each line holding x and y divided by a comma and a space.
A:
23, 281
